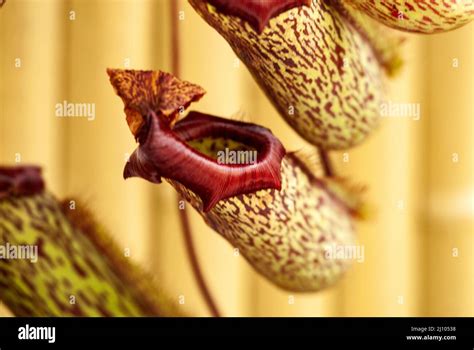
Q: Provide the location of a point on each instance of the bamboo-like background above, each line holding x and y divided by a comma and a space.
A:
421, 200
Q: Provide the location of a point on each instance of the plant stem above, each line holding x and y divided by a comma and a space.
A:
191, 251
326, 162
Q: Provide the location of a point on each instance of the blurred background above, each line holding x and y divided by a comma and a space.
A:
418, 243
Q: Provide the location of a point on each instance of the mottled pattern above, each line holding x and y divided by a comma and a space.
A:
70, 263
385, 42
420, 16
142, 91
284, 234
317, 70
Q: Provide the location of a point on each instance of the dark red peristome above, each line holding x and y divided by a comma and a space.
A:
257, 12
20, 181
163, 152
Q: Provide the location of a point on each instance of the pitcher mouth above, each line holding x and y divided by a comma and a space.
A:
257, 13
178, 154
20, 181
